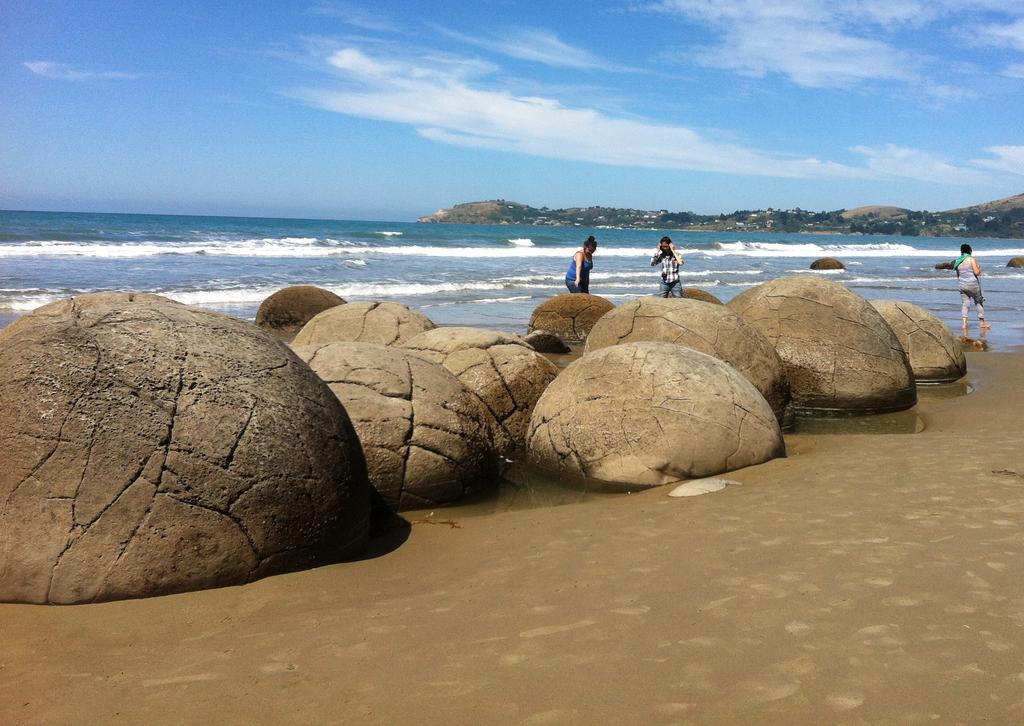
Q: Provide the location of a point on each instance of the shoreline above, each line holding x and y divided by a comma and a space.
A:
801, 596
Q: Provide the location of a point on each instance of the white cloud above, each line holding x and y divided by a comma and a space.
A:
903, 162
356, 16
449, 104
1014, 70
536, 45
63, 72
1003, 35
831, 43
1008, 159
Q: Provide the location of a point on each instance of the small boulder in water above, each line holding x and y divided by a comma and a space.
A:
569, 315
696, 293
827, 263
1016, 262
944, 265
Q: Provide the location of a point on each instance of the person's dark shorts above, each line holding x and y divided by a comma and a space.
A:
668, 287
573, 287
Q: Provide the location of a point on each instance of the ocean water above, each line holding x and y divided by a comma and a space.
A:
489, 276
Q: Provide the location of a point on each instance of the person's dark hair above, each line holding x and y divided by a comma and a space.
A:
590, 241
965, 249
665, 239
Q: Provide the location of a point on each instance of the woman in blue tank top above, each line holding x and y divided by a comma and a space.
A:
577, 277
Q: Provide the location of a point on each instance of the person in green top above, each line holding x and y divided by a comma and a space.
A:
967, 272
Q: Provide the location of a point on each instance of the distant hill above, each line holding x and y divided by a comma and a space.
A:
999, 218
1007, 204
876, 212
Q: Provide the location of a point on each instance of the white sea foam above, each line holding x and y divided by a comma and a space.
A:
286, 247
390, 234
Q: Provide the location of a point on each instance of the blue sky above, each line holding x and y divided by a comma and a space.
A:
389, 110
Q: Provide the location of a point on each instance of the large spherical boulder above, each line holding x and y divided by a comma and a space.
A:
697, 293
711, 329
569, 316
501, 370
827, 263
287, 310
154, 448
62, 310
1014, 262
427, 439
384, 323
840, 354
640, 415
936, 356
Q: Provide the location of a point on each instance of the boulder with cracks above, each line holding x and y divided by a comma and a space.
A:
500, 369
640, 415
152, 448
383, 323
570, 316
711, 329
936, 356
427, 439
840, 354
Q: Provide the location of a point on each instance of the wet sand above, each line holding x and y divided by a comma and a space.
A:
863, 579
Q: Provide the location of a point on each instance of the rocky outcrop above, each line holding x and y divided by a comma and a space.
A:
640, 415
383, 323
505, 374
840, 354
152, 448
427, 439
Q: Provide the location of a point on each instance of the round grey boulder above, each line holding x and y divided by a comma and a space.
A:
827, 263
152, 448
840, 354
60, 311
570, 316
285, 312
426, 438
711, 329
501, 370
383, 323
936, 356
641, 415
1014, 262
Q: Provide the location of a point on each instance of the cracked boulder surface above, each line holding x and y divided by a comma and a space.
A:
641, 415
285, 312
426, 438
711, 329
70, 307
840, 354
383, 323
500, 369
698, 293
570, 316
936, 356
152, 448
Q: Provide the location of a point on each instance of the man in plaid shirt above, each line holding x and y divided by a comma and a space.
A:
670, 261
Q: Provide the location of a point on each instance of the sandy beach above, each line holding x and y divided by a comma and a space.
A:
862, 579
